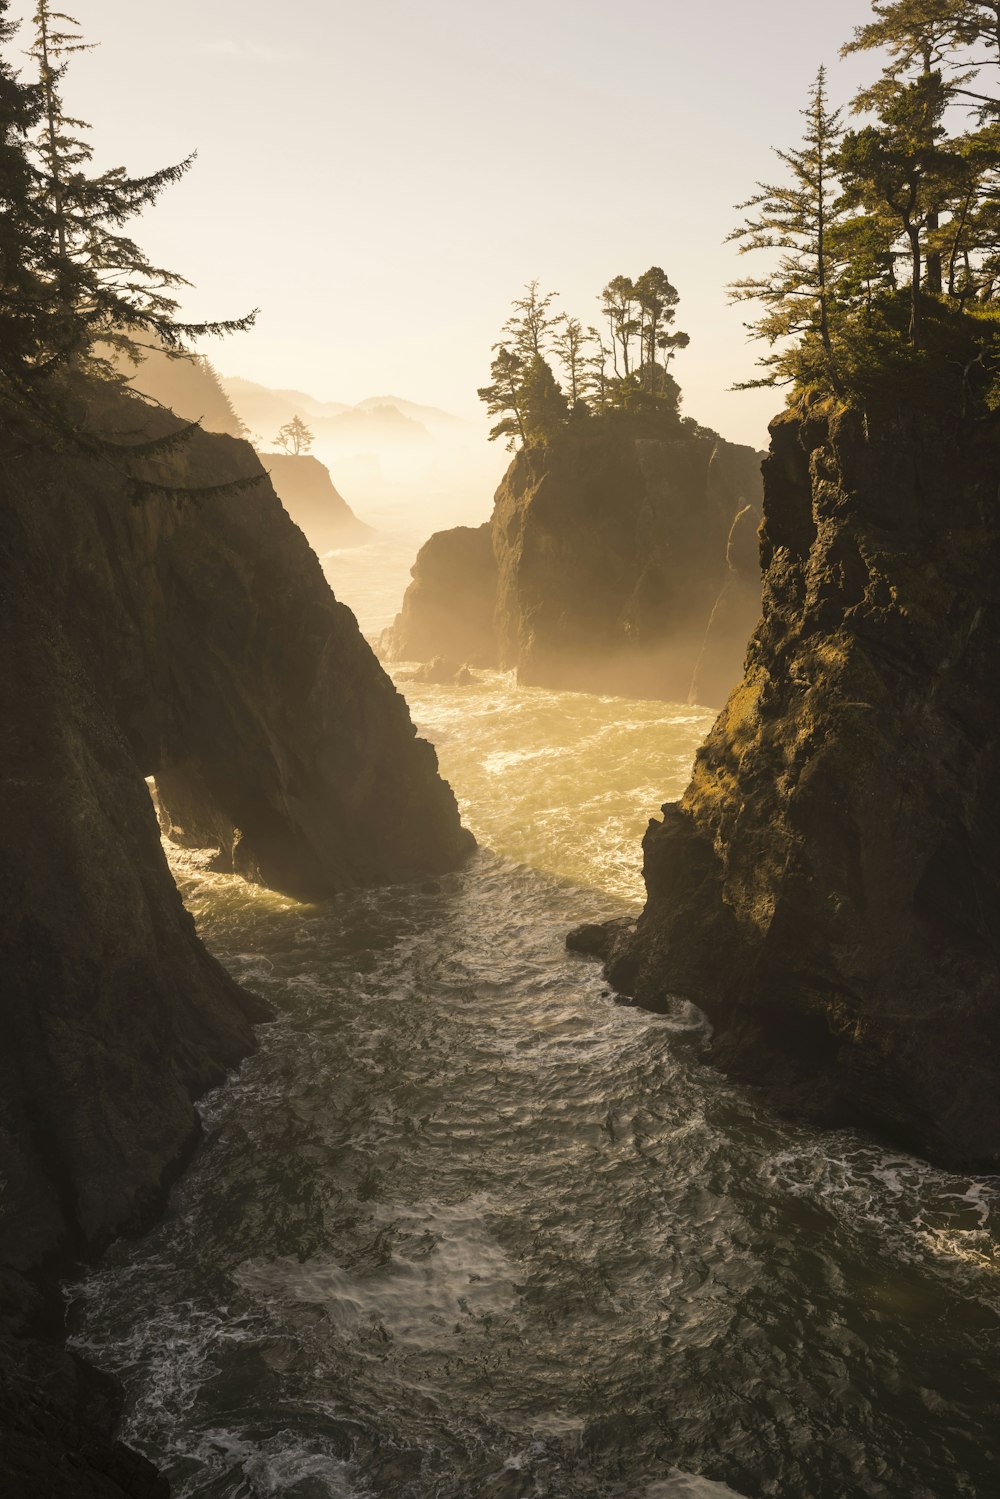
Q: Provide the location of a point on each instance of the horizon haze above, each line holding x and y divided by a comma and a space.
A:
381, 181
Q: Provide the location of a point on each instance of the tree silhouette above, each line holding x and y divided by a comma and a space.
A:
294, 437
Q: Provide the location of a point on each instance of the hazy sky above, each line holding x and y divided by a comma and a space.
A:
381, 177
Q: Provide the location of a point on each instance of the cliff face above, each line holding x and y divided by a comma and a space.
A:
305, 488
829, 886
611, 555
448, 608
196, 642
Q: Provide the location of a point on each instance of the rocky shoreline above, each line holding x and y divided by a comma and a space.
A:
195, 641
828, 888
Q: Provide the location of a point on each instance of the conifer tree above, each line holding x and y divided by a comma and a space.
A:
618, 300
528, 327
657, 299
796, 218
71, 276
294, 437
543, 404
903, 170
919, 37
570, 344
503, 396
596, 369
31, 323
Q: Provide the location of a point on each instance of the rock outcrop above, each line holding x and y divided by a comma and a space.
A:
448, 609
196, 642
610, 549
828, 888
305, 488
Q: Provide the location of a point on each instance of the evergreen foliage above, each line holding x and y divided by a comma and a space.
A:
630, 375
885, 239
77, 293
294, 437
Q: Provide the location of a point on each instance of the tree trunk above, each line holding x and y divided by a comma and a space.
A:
916, 326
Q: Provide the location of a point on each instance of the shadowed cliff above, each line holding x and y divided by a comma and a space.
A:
195, 641
828, 888
609, 558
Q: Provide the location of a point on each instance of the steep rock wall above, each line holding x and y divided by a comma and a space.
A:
449, 607
610, 556
828, 888
195, 641
611, 551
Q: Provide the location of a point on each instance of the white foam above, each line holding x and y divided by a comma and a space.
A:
680, 1485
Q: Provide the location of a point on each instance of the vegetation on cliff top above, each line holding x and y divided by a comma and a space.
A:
623, 372
885, 239
77, 294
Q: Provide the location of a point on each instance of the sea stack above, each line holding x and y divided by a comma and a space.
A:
828, 888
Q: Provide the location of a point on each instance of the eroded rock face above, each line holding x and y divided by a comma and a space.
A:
196, 642
608, 556
305, 488
829, 886
448, 608
612, 555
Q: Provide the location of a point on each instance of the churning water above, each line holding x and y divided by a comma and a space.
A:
467, 1229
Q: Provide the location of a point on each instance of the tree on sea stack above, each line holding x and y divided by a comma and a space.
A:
294, 437
798, 218
542, 402
570, 344
503, 395
529, 325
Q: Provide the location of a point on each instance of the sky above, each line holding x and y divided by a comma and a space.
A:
382, 177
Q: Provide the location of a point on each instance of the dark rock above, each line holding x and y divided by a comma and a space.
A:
611, 550
600, 939
305, 488
735, 615
57, 1421
443, 673
196, 642
602, 568
828, 889
449, 606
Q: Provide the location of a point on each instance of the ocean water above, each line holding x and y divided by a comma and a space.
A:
467, 1227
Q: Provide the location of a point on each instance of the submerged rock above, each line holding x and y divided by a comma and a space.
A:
196, 642
443, 673
828, 888
602, 567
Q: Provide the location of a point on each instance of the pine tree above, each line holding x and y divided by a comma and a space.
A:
31, 323
596, 370
528, 327
903, 170
920, 37
618, 299
503, 397
294, 437
570, 344
796, 218
76, 287
543, 404
657, 299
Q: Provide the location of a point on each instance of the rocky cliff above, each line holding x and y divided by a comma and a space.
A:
610, 546
448, 610
194, 641
828, 888
305, 488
